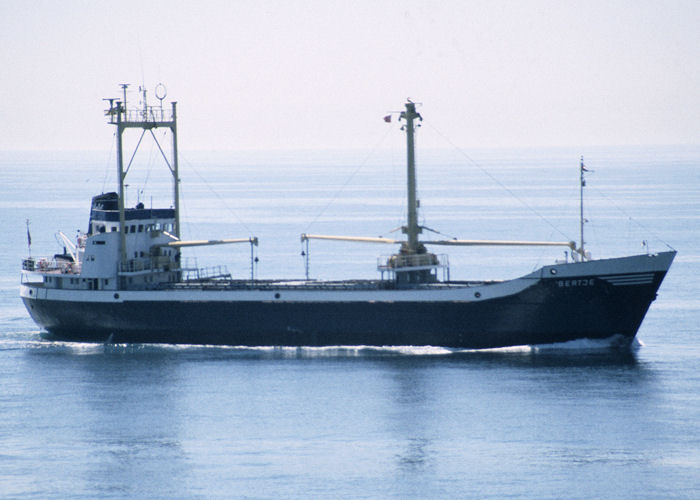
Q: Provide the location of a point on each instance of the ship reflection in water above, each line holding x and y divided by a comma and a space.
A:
274, 422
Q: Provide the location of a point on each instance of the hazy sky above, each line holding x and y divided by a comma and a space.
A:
321, 74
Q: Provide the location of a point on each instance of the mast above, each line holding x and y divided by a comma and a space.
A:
176, 177
121, 175
147, 119
582, 221
412, 229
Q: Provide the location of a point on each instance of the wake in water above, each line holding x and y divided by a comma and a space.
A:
33, 340
614, 342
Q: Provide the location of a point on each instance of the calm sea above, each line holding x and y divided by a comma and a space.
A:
580, 420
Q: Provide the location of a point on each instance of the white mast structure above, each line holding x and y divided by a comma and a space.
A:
147, 118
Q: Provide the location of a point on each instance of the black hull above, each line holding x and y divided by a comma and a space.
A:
549, 311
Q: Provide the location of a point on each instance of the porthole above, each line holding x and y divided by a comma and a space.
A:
477, 295
116, 295
277, 295
31, 292
553, 271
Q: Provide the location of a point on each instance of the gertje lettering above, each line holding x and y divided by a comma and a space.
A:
570, 283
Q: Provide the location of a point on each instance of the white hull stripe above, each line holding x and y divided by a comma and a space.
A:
630, 279
461, 294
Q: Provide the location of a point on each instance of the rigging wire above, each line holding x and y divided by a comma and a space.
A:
354, 173
541, 254
109, 160
448, 236
136, 149
218, 196
397, 171
186, 227
632, 219
151, 161
494, 179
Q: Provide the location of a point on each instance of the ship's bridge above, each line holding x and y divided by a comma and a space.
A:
104, 216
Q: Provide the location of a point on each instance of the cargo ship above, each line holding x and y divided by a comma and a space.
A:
122, 281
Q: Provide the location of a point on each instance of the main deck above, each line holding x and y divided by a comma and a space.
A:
302, 284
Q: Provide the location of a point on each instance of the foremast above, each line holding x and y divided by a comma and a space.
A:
413, 265
411, 229
581, 251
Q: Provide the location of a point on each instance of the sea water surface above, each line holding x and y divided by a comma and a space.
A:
578, 420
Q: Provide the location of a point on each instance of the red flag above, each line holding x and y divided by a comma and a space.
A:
387, 118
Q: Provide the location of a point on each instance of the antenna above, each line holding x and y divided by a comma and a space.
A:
124, 87
161, 93
145, 101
